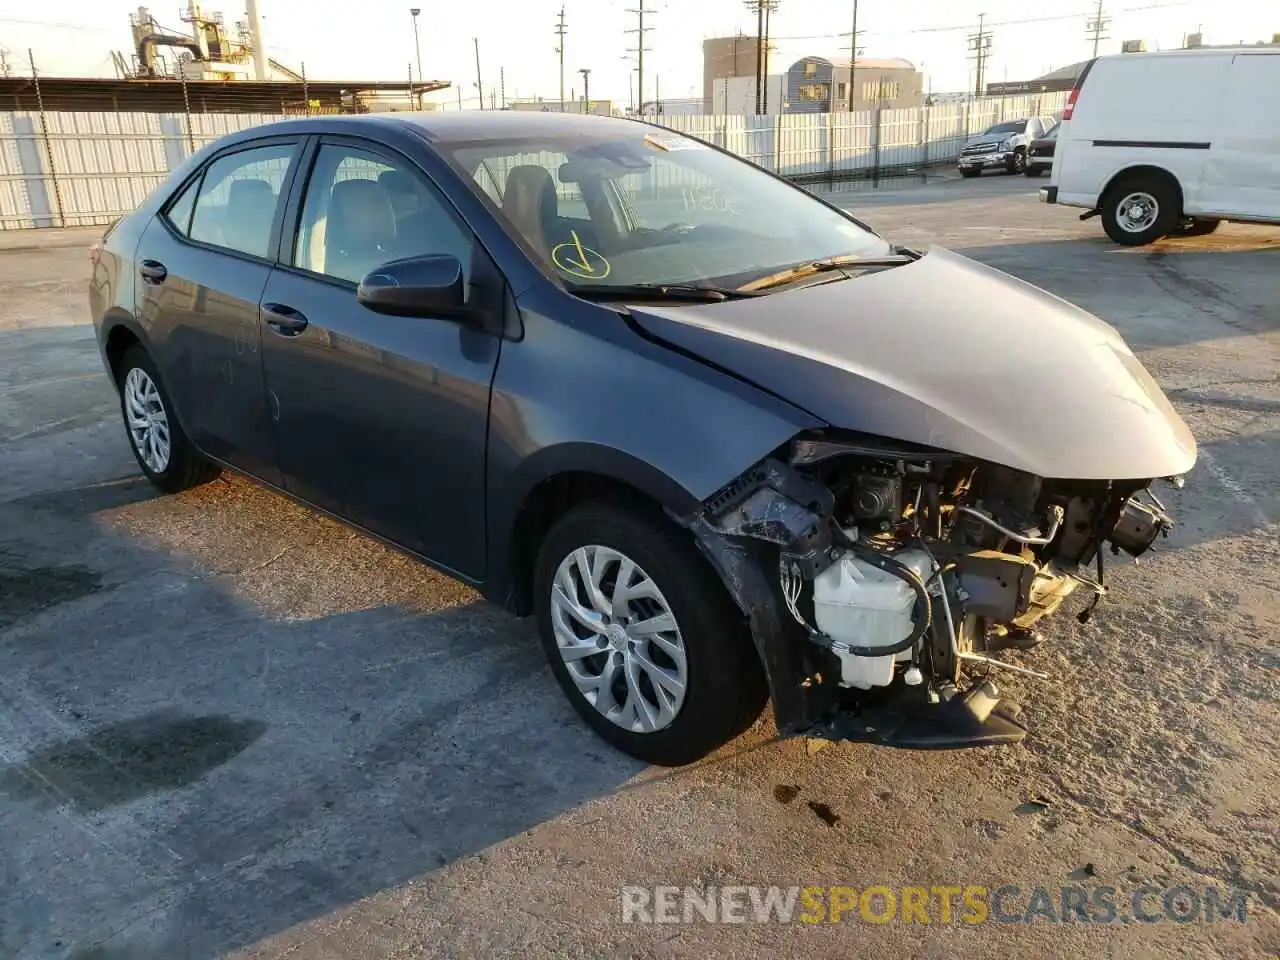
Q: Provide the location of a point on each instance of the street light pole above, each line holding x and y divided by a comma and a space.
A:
413, 12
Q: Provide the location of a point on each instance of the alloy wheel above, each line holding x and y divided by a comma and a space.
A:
618, 638
147, 421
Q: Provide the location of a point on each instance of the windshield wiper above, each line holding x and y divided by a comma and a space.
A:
689, 292
808, 269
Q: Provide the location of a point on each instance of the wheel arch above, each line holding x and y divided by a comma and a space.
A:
1142, 170
549, 484
119, 333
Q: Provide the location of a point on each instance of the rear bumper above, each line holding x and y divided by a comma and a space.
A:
1048, 194
1033, 161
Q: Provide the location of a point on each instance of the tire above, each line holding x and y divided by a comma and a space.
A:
1198, 227
1142, 190
967, 173
1019, 162
1033, 171
724, 686
142, 390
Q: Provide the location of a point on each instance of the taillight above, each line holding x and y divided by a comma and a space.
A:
1071, 103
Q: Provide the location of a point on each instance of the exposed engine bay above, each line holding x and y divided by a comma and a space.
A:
873, 574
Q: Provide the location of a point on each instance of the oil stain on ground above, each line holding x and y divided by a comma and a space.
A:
28, 590
128, 760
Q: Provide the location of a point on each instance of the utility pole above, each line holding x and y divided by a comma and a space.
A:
561, 30
1096, 26
853, 54
502, 85
479, 85
586, 89
980, 44
770, 6
413, 12
640, 50
757, 7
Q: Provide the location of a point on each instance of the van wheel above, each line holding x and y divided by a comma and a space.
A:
642, 636
1198, 227
1140, 210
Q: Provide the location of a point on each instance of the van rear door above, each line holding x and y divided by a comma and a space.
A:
1242, 174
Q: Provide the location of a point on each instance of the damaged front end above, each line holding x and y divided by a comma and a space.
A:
872, 573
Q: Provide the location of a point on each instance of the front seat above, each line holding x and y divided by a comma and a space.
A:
360, 232
251, 203
529, 202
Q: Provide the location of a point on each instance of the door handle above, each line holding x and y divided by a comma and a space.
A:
284, 320
153, 271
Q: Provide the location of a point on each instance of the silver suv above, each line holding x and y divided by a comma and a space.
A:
1003, 145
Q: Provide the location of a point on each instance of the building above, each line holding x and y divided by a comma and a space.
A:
1063, 78
724, 57
674, 107
818, 85
737, 95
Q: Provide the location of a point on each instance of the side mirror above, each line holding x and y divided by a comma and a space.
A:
430, 286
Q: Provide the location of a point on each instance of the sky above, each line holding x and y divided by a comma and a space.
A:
374, 39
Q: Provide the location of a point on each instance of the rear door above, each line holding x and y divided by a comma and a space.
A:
203, 263
1242, 176
381, 420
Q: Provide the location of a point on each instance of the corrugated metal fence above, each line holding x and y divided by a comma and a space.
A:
80, 169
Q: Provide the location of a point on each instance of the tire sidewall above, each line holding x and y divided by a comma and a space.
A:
713, 638
1166, 217
180, 451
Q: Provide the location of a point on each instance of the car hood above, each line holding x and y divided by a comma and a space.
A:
952, 354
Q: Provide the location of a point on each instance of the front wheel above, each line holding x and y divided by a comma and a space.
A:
970, 172
163, 451
1033, 171
642, 636
1018, 163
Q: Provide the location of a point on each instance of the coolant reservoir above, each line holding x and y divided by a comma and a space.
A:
861, 605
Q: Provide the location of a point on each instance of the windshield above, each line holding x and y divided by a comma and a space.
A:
653, 207
1053, 132
1011, 126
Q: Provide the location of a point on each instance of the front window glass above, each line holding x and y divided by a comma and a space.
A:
653, 207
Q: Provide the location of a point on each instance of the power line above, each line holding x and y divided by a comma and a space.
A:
957, 28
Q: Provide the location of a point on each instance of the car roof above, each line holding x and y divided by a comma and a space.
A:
460, 126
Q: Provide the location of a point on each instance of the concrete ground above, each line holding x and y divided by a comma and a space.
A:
229, 726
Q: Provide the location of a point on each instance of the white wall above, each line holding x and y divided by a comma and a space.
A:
738, 95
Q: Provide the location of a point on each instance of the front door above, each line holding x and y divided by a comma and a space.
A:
204, 263
381, 420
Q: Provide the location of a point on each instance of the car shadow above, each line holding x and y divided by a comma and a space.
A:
217, 772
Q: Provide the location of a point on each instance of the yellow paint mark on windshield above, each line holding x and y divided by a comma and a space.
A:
577, 259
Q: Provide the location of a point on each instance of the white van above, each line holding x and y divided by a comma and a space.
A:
1167, 143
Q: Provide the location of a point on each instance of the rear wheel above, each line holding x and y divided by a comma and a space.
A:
162, 450
1198, 227
1033, 171
641, 635
970, 172
1140, 209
